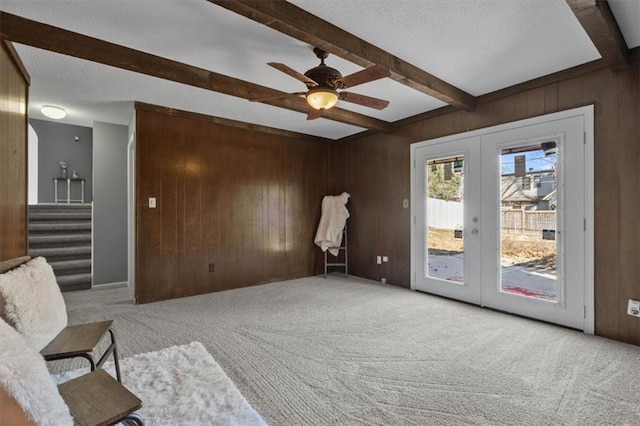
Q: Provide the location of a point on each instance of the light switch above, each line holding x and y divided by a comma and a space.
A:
385, 259
379, 259
152, 203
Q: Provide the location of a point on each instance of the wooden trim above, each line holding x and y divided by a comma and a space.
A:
10, 264
47, 37
14, 191
26, 156
556, 77
26, 159
355, 136
403, 122
598, 21
634, 57
424, 116
302, 25
228, 122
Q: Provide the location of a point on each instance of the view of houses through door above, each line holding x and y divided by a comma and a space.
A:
500, 218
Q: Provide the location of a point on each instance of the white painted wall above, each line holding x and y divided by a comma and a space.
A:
109, 203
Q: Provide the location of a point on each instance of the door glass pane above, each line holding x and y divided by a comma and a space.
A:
529, 250
444, 219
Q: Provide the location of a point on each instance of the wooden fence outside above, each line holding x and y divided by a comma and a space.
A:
532, 221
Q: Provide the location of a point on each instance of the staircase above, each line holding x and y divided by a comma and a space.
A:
61, 233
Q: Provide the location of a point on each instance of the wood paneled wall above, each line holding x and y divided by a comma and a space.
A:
244, 200
14, 86
375, 170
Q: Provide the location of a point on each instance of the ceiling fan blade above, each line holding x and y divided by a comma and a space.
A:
314, 113
281, 95
293, 73
363, 100
372, 73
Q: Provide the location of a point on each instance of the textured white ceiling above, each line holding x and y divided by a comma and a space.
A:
477, 45
90, 91
480, 46
627, 13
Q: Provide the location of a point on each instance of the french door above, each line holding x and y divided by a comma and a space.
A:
500, 218
448, 204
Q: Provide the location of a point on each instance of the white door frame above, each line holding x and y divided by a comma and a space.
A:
131, 210
587, 114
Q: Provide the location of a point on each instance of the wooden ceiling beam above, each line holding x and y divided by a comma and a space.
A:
302, 25
31, 33
601, 26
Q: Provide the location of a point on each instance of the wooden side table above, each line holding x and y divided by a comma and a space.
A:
79, 341
98, 399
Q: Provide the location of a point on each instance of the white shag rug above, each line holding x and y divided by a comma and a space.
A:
181, 385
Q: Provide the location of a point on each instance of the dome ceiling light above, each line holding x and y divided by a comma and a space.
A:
52, 111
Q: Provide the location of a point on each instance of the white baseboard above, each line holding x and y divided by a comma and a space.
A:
110, 285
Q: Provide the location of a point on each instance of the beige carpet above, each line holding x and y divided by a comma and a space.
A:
318, 351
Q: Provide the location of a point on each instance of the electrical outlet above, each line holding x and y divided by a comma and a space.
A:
152, 203
212, 267
385, 259
379, 260
634, 308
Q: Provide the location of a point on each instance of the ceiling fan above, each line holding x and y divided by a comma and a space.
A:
323, 83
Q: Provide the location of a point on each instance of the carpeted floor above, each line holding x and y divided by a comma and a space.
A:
351, 351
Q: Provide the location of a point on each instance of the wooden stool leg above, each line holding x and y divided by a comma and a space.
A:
116, 362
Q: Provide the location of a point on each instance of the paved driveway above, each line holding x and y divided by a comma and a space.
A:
524, 280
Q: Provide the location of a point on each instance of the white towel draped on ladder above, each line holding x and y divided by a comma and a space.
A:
334, 216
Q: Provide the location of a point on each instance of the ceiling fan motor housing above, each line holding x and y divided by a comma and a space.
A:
325, 77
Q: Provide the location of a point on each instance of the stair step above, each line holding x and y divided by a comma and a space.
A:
61, 233
69, 265
59, 216
59, 227
59, 208
74, 282
75, 287
38, 240
80, 251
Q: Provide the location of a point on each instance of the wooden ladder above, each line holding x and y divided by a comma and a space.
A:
344, 264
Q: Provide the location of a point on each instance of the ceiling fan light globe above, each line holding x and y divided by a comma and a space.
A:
322, 98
